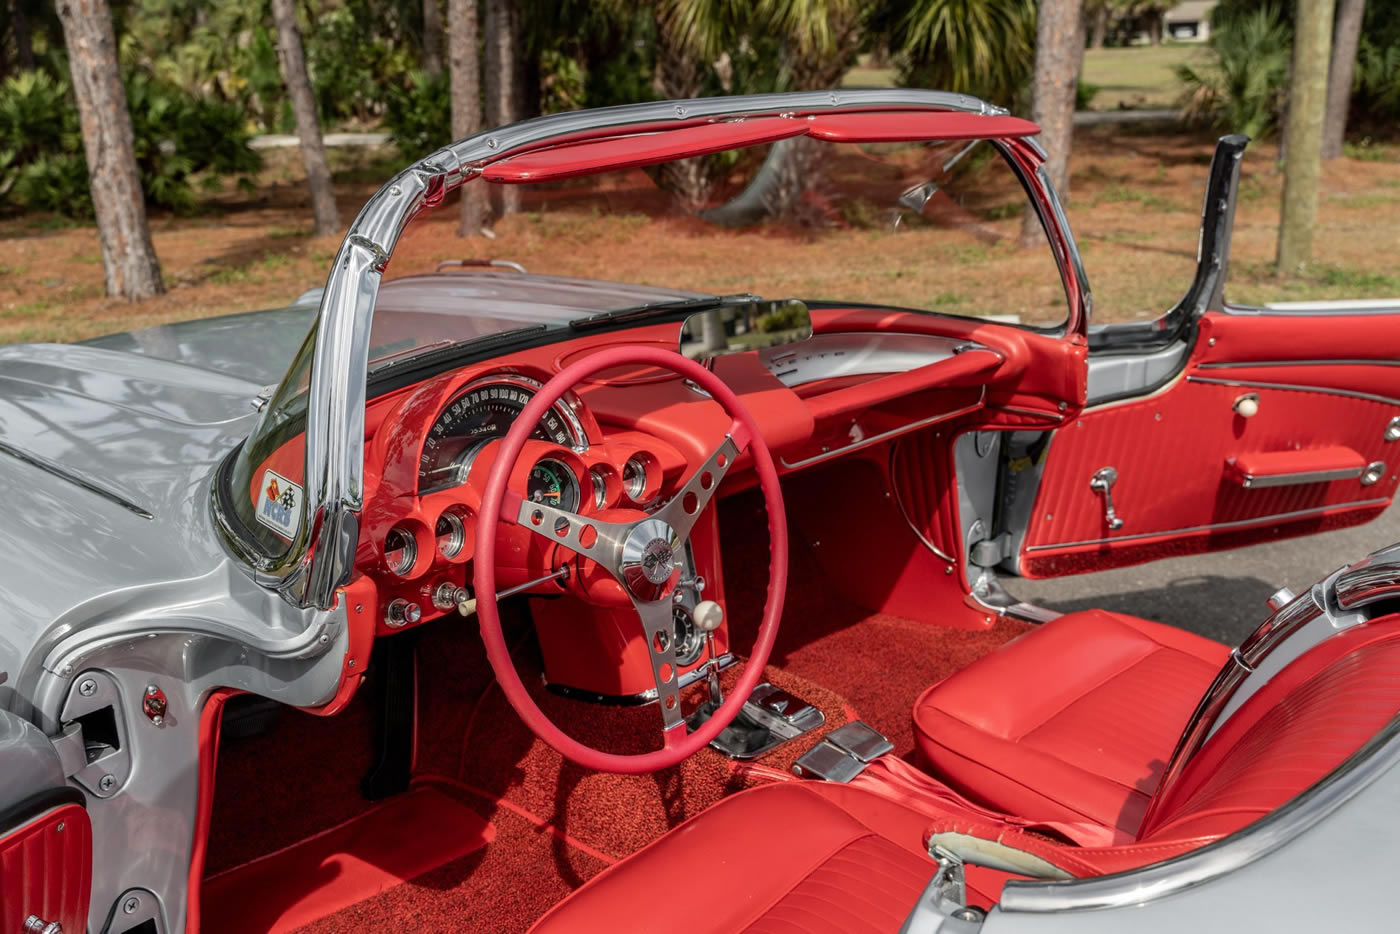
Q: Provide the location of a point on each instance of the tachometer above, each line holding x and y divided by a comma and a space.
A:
481, 412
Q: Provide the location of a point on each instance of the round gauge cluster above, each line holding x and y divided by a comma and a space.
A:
554, 484
482, 412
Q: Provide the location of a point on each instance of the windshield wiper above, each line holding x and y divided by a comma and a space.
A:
638, 312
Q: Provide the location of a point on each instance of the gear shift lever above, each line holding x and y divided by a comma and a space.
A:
709, 616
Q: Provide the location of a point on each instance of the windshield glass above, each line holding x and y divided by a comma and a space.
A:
938, 227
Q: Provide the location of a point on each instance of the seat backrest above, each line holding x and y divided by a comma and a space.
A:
1298, 727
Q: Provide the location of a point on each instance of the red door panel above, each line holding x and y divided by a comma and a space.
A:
1327, 388
46, 869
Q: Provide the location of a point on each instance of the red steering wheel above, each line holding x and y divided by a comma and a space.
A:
645, 556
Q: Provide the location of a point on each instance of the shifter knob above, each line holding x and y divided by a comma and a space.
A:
708, 615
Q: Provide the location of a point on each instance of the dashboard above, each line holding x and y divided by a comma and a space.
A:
622, 444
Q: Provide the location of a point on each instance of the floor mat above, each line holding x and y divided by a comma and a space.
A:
502, 888
398, 840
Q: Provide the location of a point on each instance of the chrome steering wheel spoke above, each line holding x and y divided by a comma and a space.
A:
659, 629
584, 535
682, 510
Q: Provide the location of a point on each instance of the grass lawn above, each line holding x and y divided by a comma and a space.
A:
1138, 77
1134, 203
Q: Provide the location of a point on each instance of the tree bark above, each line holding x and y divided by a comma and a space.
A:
1099, 33
503, 84
1348, 35
1307, 103
24, 39
464, 59
679, 76
1059, 49
313, 151
128, 256
432, 37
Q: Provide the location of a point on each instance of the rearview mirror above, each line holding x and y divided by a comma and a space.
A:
746, 326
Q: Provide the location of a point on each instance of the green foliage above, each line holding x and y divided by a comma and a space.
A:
980, 47
177, 137
1243, 88
1084, 94
418, 113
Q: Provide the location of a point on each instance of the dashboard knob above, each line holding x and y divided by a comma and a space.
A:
401, 612
1247, 405
708, 615
1281, 598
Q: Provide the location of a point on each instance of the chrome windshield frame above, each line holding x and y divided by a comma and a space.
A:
321, 559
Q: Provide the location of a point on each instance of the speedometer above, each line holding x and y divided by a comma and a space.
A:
480, 413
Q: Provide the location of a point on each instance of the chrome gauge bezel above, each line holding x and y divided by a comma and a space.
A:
462, 463
635, 488
564, 473
408, 553
456, 534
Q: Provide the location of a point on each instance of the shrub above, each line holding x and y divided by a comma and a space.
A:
1243, 88
418, 113
177, 136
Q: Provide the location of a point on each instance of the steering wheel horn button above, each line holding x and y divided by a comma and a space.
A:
650, 562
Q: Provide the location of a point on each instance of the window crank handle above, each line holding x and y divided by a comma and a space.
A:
1102, 482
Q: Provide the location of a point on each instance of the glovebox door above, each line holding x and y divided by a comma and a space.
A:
1283, 422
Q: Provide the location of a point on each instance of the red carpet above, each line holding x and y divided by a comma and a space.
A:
556, 824
396, 841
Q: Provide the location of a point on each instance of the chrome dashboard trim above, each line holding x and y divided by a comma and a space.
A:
75, 478
1235, 524
883, 436
1325, 390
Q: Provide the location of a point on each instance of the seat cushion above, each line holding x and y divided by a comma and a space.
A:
787, 858
1073, 721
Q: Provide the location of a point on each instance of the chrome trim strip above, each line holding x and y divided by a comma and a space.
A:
904, 513
1174, 876
883, 436
1235, 524
1359, 361
1326, 307
75, 478
1251, 482
1326, 390
1370, 580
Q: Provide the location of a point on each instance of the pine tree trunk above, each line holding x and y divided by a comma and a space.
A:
1307, 103
1100, 30
432, 37
464, 59
503, 84
1348, 35
1059, 48
24, 40
313, 151
128, 257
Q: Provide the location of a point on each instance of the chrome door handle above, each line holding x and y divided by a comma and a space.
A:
1102, 482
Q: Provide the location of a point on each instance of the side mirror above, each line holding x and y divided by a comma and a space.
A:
745, 326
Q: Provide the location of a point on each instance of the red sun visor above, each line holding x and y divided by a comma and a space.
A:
638, 149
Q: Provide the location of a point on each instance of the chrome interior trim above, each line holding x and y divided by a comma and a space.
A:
883, 436
1365, 306
641, 698
1174, 876
1370, 580
75, 478
1236, 524
1326, 390
1372, 361
1250, 482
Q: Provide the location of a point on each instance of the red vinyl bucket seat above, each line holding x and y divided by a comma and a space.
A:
816, 858
1074, 721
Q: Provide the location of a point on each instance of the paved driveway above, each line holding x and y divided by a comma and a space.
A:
1218, 595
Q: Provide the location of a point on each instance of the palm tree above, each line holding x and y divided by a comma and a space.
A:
463, 34
985, 48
